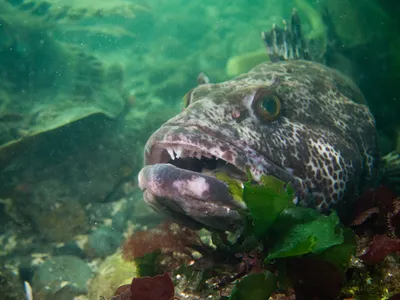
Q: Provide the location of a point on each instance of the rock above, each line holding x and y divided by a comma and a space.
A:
55, 214
69, 248
112, 273
61, 278
120, 220
114, 213
10, 286
103, 242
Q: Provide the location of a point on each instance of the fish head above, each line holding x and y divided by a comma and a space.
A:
289, 120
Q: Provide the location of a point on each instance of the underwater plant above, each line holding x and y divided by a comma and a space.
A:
282, 248
149, 247
159, 287
377, 215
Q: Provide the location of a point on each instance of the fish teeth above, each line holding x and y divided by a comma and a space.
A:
208, 155
171, 153
178, 152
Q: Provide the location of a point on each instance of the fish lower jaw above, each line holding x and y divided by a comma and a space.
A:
189, 197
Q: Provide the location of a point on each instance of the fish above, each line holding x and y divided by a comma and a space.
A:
292, 118
28, 291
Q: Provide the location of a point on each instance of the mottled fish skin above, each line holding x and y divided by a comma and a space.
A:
324, 141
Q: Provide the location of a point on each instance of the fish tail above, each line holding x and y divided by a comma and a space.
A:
286, 44
391, 170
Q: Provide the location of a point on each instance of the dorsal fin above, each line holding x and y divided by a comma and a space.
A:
286, 44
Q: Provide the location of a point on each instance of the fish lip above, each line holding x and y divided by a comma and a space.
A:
190, 197
220, 195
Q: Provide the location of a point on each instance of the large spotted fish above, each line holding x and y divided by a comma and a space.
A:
297, 120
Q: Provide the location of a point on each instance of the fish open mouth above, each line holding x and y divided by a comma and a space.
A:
179, 178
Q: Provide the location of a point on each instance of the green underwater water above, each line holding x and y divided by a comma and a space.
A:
83, 85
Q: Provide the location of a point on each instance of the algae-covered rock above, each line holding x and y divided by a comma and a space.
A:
61, 278
245, 62
102, 242
373, 282
10, 286
69, 248
39, 91
112, 273
54, 214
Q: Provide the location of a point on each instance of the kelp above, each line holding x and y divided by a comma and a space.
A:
254, 286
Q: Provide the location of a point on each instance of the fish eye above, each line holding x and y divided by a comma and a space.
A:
187, 98
267, 105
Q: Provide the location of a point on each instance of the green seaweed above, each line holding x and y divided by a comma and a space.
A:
258, 286
340, 255
148, 264
314, 236
284, 231
265, 202
276, 234
234, 185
